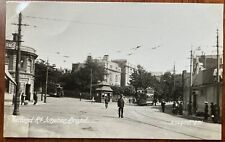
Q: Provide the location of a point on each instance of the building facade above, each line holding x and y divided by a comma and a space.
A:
204, 85
27, 68
126, 70
113, 71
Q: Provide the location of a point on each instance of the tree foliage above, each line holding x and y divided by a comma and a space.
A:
54, 76
80, 80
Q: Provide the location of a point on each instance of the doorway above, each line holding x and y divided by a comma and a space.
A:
27, 92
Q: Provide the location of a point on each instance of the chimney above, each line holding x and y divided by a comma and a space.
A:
106, 57
15, 37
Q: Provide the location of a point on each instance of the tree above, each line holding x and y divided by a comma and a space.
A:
81, 79
40, 75
129, 91
117, 90
143, 79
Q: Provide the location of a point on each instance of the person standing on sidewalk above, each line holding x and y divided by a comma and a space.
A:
163, 105
80, 96
120, 104
206, 115
106, 102
22, 98
35, 98
181, 108
212, 109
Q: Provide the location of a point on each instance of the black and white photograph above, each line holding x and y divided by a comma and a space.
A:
113, 70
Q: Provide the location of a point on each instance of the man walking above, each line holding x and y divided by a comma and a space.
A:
106, 102
120, 104
35, 98
163, 105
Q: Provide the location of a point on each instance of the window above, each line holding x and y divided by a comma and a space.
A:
29, 65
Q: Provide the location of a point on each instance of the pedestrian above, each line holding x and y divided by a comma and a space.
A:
35, 98
22, 98
173, 109
190, 108
13, 99
106, 102
80, 96
120, 104
216, 107
212, 112
163, 105
155, 101
206, 115
181, 108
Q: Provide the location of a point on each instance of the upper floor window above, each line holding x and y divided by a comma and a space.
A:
29, 65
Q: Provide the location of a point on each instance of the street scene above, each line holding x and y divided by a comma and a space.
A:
113, 70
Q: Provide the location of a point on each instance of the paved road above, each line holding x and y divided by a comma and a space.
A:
69, 117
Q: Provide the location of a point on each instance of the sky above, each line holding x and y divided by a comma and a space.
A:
67, 32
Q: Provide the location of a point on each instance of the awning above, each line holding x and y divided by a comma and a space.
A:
8, 75
104, 88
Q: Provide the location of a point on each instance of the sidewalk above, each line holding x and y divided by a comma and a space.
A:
168, 110
16, 121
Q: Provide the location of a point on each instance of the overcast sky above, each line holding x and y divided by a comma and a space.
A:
165, 32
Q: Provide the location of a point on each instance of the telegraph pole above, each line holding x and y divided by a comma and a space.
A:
46, 83
190, 93
174, 70
18, 57
91, 85
217, 75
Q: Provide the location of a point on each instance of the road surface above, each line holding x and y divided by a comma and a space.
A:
72, 118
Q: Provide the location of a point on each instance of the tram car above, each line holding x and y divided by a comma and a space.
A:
145, 96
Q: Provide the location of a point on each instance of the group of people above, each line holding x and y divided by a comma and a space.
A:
22, 98
214, 110
177, 108
120, 104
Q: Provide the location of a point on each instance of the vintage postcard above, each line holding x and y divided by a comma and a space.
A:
113, 70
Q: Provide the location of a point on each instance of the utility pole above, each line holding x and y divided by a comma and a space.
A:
217, 76
46, 83
174, 87
18, 42
190, 93
91, 85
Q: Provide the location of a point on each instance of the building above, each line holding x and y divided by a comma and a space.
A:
205, 62
126, 70
204, 85
113, 71
27, 68
77, 66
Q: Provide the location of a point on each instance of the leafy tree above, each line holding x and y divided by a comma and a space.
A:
81, 79
143, 79
129, 91
117, 90
40, 76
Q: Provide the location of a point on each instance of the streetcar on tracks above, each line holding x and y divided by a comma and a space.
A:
145, 96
